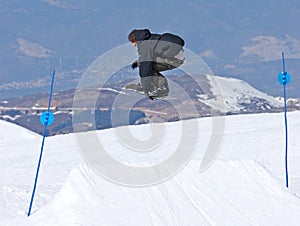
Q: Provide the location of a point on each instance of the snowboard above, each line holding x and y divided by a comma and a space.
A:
137, 88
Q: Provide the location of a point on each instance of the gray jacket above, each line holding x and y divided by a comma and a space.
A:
155, 50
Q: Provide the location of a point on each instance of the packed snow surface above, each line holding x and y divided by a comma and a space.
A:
244, 186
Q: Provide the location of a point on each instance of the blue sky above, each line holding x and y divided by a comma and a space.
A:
82, 29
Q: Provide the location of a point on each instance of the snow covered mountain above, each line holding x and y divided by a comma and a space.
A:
206, 93
244, 186
237, 95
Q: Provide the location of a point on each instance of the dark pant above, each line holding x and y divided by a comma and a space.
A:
157, 83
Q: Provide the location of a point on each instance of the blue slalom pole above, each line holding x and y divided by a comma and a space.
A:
284, 78
46, 119
286, 138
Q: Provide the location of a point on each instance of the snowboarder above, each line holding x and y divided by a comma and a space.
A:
156, 53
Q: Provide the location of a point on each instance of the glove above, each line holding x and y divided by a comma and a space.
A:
134, 65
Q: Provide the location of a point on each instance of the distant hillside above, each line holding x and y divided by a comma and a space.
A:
209, 95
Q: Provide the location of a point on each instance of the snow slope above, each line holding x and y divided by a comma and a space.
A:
249, 196
237, 95
244, 186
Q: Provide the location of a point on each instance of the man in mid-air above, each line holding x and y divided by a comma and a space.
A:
156, 53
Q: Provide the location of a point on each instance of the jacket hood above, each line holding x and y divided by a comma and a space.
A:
141, 35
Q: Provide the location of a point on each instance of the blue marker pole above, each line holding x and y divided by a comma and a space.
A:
46, 119
284, 78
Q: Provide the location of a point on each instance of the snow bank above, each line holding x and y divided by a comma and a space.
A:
245, 186
229, 193
11, 133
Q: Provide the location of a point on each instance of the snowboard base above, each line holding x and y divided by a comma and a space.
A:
137, 88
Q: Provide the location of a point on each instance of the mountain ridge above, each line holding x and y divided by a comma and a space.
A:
209, 95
